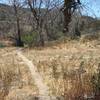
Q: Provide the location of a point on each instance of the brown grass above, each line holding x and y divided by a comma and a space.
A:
13, 73
66, 68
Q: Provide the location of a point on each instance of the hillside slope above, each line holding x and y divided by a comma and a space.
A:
8, 21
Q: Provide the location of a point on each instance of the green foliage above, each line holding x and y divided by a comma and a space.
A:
59, 34
2, 45
56, 35
30, 39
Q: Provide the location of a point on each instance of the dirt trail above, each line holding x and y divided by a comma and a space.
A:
43, 89
38, 79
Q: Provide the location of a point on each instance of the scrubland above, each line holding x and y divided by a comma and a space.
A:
67, 69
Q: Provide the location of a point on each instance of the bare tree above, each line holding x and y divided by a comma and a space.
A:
16, 4
36, 17
42, 11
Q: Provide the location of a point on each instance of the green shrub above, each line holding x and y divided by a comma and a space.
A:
56, 35
2, 45
30, 39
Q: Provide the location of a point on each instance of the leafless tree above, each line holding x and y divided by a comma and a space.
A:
42, 11
16, 5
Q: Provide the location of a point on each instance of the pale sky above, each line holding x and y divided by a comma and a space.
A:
92, 7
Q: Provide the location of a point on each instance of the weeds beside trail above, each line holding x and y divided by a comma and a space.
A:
43, 89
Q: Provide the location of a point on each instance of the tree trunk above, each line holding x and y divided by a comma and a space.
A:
67, 15
18, 40
41, 35
69, 8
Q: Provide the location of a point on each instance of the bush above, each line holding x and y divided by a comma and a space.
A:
56, 35
2, 45
30, 39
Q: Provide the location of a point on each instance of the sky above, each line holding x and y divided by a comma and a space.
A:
90, 7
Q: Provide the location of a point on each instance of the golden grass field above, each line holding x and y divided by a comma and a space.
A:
66, 69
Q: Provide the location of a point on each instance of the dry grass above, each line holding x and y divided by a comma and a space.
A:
66, 68
13, 74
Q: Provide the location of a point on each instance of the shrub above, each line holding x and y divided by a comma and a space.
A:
30, 39
2, 45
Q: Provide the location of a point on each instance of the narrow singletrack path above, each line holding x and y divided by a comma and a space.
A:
43, 89
38, 79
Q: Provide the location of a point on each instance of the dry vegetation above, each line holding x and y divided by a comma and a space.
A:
66, 68
59, 50
15, 78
